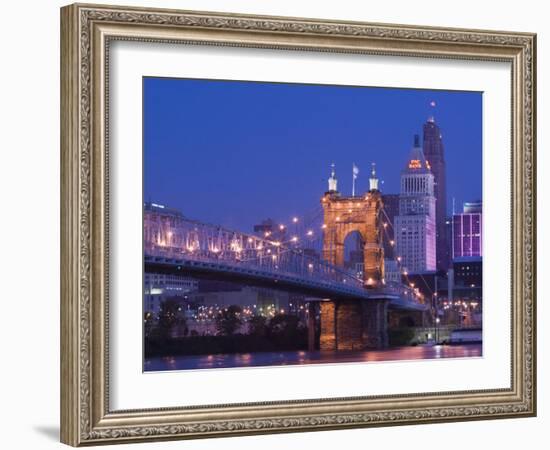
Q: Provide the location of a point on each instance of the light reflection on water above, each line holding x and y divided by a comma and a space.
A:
304, 357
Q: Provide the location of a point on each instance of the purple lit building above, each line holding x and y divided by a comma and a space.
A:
467, 231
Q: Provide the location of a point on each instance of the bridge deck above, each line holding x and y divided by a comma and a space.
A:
275, 279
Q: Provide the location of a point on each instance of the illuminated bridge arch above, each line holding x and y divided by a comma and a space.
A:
345, 215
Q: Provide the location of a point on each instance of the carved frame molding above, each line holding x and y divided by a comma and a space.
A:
86, 31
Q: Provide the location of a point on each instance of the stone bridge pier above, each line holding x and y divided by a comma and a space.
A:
354, 324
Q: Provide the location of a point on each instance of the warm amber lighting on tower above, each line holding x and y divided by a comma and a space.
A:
344, 215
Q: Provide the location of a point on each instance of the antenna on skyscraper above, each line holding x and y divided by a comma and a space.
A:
431, 117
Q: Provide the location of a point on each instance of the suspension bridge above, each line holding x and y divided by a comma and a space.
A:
189, 247
305, 256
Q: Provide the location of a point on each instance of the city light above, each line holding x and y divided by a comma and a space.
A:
306, 266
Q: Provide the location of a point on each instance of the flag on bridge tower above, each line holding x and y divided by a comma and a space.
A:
355, 171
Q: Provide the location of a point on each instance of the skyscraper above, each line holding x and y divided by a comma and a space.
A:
415, 226
435, 155
467, 232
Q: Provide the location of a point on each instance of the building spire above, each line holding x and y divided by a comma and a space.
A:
373, 180
354, 173
431, 116
332, 181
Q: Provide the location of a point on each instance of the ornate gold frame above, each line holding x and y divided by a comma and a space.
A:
86, 31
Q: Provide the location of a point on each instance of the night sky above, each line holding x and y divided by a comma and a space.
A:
234, 153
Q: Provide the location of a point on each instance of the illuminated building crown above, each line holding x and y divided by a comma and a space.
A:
417, 162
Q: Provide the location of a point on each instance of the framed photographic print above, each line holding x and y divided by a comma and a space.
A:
275, 225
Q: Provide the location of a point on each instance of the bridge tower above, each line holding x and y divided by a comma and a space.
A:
344, 215
354, 324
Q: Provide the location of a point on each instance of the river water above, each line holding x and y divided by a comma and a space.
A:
304, 357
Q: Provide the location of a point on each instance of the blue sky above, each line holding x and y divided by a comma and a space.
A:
233, 153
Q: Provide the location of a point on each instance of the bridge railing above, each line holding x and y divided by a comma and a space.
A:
176, 237
274, 259
404, 292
